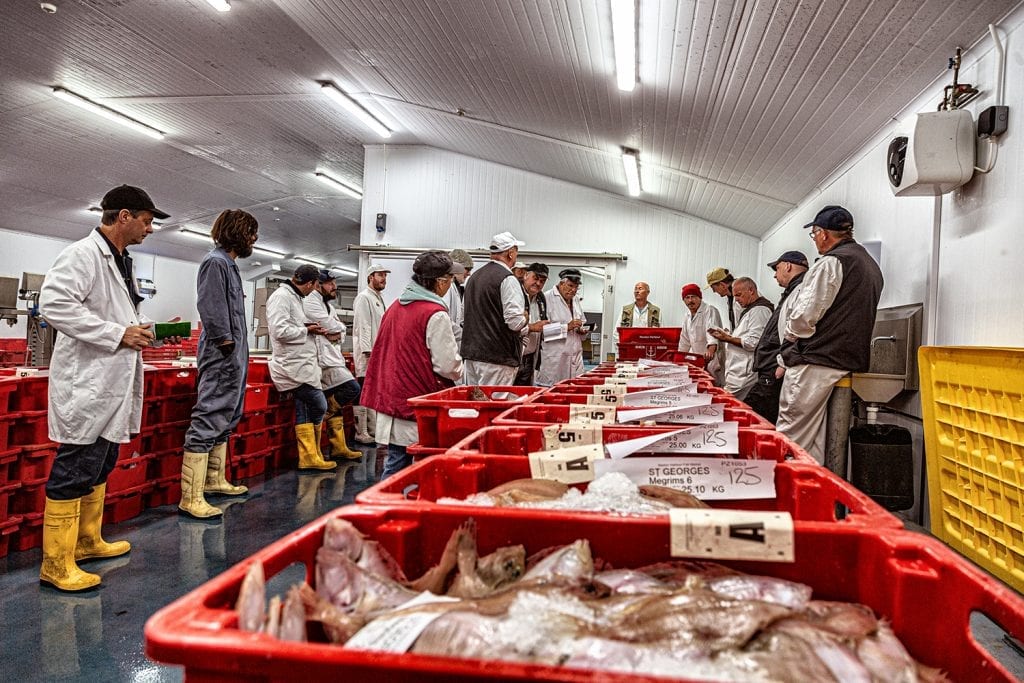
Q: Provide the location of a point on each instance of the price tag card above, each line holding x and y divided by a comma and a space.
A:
719, 438
590, 413
605, 389
659, 371
706, 478
604, 399
397, 634
698, 414
568, 465
731, 534
624, 381
679, 397
665, 381
625, 374
651, 363
569, 435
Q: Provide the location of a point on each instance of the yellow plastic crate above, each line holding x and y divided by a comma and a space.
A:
972, 401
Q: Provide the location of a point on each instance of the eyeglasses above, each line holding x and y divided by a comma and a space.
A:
814, 231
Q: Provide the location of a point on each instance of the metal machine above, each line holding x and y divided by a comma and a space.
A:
39, 336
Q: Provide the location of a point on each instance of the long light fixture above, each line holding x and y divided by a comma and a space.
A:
630, 165
220, 5
624, 42
107, 113
350, 190
354, 108
347, 271
319, 264
197, 234
269, 252
95, 209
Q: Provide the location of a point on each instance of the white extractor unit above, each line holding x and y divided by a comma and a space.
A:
936, 158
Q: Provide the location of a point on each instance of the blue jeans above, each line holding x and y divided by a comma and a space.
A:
345, 393
310, 404
397, 459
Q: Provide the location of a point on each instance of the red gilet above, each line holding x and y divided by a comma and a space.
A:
400, 366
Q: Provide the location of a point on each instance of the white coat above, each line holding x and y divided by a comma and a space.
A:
294, 360
563, 358
367, 312
95, 383
332, 362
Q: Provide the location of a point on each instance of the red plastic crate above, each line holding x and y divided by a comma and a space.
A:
151, 409
30, 532
164, 437
177, 408
128, 474
8, 529
554, 413
7, 387
166, 464
9, 464
131, 449
251, 442
925, 591
165, 491
645, 350
809, 493
259, 372
253, 422
6, 492
250, 464
694, 359
657, 335
523, 439
444, 417
30, 394
257, 397
30, 429
125, 504
13, 344
419, 451
169, 380
6, 427
36, 461
30, 498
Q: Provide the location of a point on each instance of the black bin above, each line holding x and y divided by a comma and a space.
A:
882, 464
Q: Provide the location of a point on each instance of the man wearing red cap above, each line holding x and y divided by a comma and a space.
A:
694, 337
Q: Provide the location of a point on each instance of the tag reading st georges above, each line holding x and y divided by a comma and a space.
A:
705, 478
568, 465
731, 534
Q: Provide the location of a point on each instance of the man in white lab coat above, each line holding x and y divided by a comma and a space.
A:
563, 352
367, 311
700, 317
95, 390
294, 365
740, 343
453, 299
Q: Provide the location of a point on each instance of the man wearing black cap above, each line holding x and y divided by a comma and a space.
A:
95, 391
340, 387
563, 354
763, 396
537, 314
830, 324
294, 366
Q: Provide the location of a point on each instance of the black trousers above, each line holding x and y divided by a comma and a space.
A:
763, 397
78, 468
524, 378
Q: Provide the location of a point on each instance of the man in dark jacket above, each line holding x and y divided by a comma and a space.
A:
537, 315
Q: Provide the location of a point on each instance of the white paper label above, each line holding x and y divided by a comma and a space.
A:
731, 534
698, 414
605, 389
463, 413
617, 380
602, 399
397, 634
569, 435
668, 381
719, 438
568, 465
554, 331
578, 413
705, 478
669, 396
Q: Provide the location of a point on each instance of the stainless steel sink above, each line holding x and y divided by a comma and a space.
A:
875, 387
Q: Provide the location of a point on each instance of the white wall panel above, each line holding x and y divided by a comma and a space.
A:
440, 199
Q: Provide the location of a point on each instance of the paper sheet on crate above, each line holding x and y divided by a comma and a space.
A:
705, 478
700, 413
651, 363
681, 379
569, 435
397, 634
720, 438
677, 396
583, 413
731, 534
573, 465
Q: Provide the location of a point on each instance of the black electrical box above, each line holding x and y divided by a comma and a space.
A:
992, 122
382, 222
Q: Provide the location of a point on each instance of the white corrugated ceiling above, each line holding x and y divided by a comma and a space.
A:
741, 108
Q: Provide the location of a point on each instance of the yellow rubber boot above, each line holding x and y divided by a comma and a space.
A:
336, 429
60, 534
308, 436
216, 482
91, 545
193, 480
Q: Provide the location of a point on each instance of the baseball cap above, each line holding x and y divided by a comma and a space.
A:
794, 257
717, 275
518, 264
306, 273
325, 275
692, 289
504, 241
377, 268
832, 218
432, 264
463, 257
570, 274
131, 198
538, 269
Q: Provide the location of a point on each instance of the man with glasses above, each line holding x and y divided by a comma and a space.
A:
830, 325
537, 312
563, 355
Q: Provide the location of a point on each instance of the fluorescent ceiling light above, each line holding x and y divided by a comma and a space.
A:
347, 271
629, 163
107, 113
350, 190
195, 233
269, 252
624, 42
354, 108
592, 272
320, 264
95, 209
220, 5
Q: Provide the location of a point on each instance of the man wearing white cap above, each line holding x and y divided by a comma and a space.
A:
494, 317
367, 311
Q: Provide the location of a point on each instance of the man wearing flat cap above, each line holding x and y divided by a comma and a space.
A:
367, 311
763, 395
720, 282
830, 324
563, 354
95, 392
700, 317
494, 317
537, 310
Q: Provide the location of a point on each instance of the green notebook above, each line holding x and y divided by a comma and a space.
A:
165, 330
